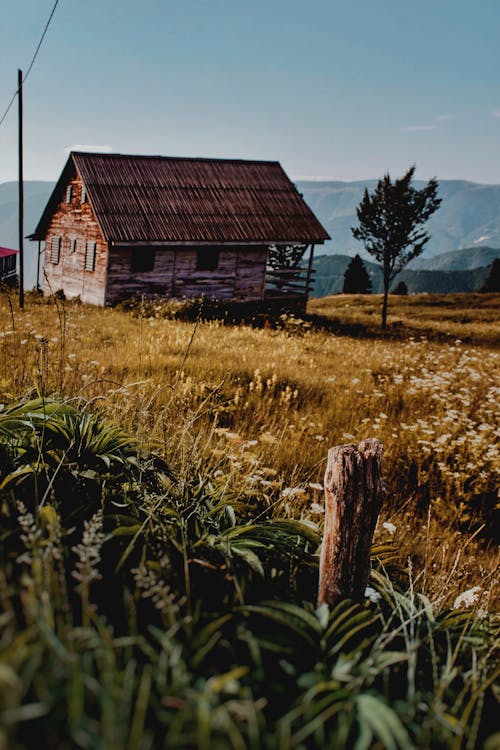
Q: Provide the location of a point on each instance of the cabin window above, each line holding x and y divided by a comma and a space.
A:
84, 194
143, 259
90, 256
55, 249
69, 193
207, 259
72, 245
7, 264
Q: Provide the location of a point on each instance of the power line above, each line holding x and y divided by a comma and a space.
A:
16, 92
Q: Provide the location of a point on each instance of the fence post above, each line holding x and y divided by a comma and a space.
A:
354, 491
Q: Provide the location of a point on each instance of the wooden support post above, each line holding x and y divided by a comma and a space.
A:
38, 267
353, 496
309, 271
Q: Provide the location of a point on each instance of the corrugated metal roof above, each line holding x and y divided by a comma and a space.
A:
5, 252
172, 199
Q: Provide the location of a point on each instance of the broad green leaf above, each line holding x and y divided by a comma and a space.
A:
383, 722
22, 471
250, 558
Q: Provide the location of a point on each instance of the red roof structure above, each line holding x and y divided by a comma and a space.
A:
189, 200
5, 252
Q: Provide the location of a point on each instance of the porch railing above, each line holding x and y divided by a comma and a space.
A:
284, 282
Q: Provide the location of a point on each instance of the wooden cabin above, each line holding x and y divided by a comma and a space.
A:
118, 226
8, 260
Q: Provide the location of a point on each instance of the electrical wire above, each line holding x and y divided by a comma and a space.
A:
16, 92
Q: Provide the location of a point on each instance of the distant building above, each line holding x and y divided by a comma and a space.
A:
8, 274
117, 226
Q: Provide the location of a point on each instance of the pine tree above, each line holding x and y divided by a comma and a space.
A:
492, 283
400, 288
356, 278
391, 224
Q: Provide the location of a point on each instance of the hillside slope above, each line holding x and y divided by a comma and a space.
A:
330, 271
459, 260
36, 195
469, 214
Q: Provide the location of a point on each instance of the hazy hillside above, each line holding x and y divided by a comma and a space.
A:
331, 268
469, 217
36, 195
469, 214
459, 260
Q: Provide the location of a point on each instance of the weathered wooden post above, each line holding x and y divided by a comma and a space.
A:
353, 495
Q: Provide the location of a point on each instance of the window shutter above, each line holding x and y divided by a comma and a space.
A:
55, 249
90, 256
69, 193
84, 194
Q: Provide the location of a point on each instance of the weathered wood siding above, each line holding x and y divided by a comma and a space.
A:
75, 221
250, 273
123, 283
239, 274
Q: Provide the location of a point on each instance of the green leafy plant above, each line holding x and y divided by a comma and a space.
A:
164, 612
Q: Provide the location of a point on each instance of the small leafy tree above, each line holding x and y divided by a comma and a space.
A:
391, 224
356, 278
285, 256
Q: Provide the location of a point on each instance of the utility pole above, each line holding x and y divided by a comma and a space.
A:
21, 190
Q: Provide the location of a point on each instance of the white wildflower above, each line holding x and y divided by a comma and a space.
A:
389, 527
467, 598
372, 595
89, 551
292, 491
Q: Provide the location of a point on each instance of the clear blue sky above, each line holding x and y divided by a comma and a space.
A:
344, 89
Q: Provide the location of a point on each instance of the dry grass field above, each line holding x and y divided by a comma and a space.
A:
257, 408
472, 318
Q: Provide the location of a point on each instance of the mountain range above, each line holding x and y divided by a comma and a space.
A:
469, 214
465, 232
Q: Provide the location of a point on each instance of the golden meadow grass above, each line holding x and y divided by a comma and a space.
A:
473, 318
258, 408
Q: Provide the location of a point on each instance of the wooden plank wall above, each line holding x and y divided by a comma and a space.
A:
239, 275
123, 284
75, 221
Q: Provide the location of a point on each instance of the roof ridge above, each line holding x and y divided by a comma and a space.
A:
161, 157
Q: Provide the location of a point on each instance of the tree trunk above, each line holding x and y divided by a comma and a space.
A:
353, 495
385, 304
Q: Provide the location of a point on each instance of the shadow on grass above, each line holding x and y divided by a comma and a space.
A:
293, 318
